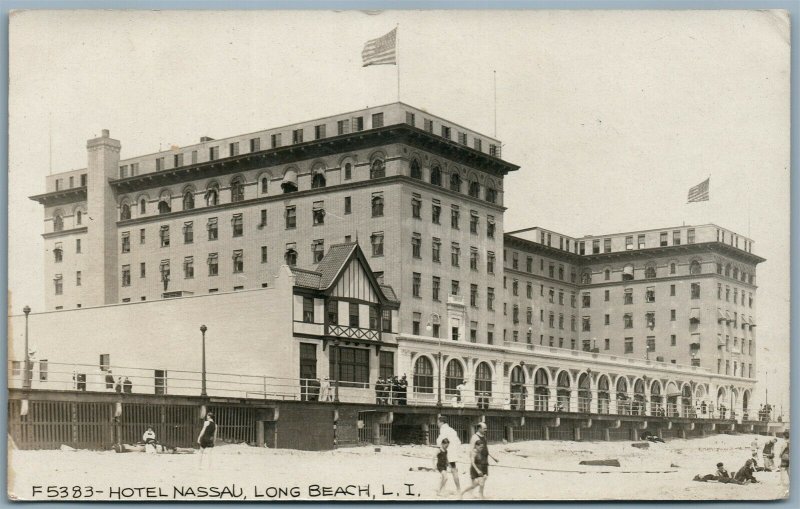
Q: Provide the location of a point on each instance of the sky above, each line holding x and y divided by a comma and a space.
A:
612, 116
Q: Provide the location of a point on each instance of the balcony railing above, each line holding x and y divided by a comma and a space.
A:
352, 332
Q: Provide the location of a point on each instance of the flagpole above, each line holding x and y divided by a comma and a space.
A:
494, 74
397, 37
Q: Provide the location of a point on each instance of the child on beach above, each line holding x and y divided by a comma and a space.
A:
442, 464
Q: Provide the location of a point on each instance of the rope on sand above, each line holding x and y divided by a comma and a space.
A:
514, 467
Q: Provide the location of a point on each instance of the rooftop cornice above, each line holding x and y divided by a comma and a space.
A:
699, 247
398, 133
61, 197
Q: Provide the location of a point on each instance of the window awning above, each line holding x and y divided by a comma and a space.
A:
490, 219
290, 177
627, 270
694, 314
751, 322
744, 320
720, 316
728, 316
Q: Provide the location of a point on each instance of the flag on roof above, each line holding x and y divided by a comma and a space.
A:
699, 192
381, 51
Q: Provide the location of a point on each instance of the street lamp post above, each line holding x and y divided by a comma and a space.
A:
429, 328
336, 371
26, 383
203, 330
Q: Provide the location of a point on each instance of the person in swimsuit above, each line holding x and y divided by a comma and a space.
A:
479, 456
207, 437
149, 439
442, 464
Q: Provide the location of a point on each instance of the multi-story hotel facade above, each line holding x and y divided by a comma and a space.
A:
664, 317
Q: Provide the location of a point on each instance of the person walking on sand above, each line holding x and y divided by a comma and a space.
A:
479, 459
442, 464
207, 438
769, 455
448, 433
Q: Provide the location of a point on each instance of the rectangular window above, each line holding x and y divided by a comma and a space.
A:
672, 315
159, 163
607, 295
291, 217
386, 368
473, 258
377, 244
596, 246
263, 254
213, 264
238, 261
428, 125
142, 269
628, 345
78, 248
650, 294
233, 149
490, 257
78, 278
377, 204
416, 283
586, 300
126, 275
353, 366
641, 242
436, 212
126, 245
319, 131
164, 235
410, 118
695, 288
416, 206
213, 153
462, 138
672, 290
690, 236
255, 144
454, 216
586, 324
436, 250
373, 318
188, 267
333, 311
629, 242
59, 284
377, 120
435, 287
308, 310
627, 319
415, 323
352, 314
358, 124
455, 287
318, 213
211, 226
123, 171
676, 238
606, 245
490, 298
651, 343
628, 296
473, 222
188, 232
343, 127
348, 205
455, 253
317, 250
275, 140
445, 132
297, 136
663, 239
237, 225
673, 340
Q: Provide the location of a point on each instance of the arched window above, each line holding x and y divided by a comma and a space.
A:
686, 400
728, 270
474, 189
491, 193
638, 398
735, 273
673, 268
518, 390
603, 395
318, 180
142, 206
212, 197
607, 274
58, 222
483, 385
627, 272
79, 217
416, 171
694, 267
164, 207
584, 393
348, 171
586, 278
264, 184
436, 176
650, 271
656, 401
453, 377
377, 170
188, 200
125, 212
423, 376
237, 190
290, 257
455, 182
563, 392
541, 392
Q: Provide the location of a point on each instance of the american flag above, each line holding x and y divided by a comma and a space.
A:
381, 51
699, 192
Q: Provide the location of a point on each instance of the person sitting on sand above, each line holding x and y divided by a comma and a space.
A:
745, 474
721, 475
149, 439
651, 437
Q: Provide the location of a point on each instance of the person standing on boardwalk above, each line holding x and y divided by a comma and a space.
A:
207, 437
446, 432
479, 458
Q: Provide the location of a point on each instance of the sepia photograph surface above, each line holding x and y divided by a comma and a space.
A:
398, 255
